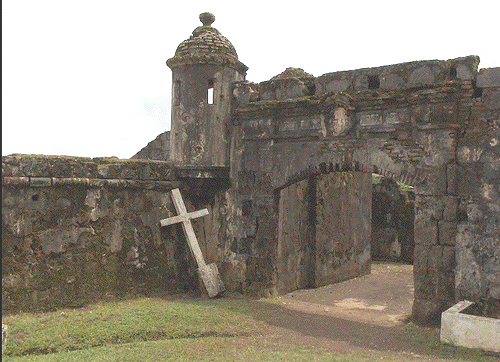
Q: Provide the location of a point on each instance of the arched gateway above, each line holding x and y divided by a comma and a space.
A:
300, 148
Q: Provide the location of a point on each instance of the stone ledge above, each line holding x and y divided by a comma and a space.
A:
88, 182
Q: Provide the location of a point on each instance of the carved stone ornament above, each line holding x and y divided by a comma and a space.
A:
334, 114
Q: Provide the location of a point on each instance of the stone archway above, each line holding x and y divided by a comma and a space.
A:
434, 233
442, 139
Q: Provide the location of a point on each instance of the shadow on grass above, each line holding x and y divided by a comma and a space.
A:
408, 339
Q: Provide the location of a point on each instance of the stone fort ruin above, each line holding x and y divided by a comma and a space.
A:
284, 168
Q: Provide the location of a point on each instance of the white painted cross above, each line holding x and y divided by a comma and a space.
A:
208, 273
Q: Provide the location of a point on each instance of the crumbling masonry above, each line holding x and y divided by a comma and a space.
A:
284, 167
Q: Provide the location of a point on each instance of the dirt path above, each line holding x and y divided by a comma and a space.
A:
365, 315
382, 298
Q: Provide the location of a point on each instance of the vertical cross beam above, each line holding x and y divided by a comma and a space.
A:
185, 218
208, 273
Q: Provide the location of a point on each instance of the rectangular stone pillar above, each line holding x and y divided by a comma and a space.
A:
434, 256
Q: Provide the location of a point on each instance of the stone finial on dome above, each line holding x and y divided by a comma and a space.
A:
207, 19
206, 46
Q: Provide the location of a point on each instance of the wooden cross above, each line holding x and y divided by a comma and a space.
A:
208, 273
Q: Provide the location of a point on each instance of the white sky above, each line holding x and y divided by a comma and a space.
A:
88, 78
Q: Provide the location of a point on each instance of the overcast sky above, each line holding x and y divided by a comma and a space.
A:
88, 78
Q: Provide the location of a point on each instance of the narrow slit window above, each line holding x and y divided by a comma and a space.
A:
210, 92
177, 93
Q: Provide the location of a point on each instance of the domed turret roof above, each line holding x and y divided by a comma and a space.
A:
206, 45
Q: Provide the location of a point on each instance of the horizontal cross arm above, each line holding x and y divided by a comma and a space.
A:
184, 218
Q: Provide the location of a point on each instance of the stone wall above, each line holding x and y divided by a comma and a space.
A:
435, 128
296, 254
295, 82
393, 216
323, 230
476, 182
343, 226
158, 149
76, 230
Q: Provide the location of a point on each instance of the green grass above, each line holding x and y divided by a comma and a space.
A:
154, 330
188, 350
429, 340
150, 329
125, 322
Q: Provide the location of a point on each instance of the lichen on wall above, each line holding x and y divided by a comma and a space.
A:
323, 230
77, 240
343, 226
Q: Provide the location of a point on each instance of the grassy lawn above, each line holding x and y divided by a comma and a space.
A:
149, 329
125, 322
191, 349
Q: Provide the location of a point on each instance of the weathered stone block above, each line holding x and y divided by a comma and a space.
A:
468, 181
12, 281
56, 240
467, 275
421, 258
361, 82
391, 81
267, 90
396, 116
452, 178
338, 85
426, 232
447, 232
425, 283
435, 259
243, 91
464, 72
291, 88
259, 270
422, 75
262, 181
448, 261
432, 181
469, 153
246, 181
158, 149
136, 170
48, 166
450, 208
428, 208
427, 311
445, 286
233, 271
491, 100
488, 77
369, 119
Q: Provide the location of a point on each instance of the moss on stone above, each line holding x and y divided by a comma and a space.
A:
292, 73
